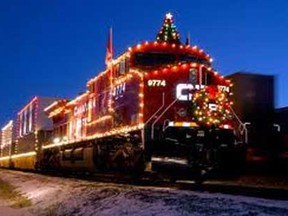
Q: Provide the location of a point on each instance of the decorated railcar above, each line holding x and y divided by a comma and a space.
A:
160, 106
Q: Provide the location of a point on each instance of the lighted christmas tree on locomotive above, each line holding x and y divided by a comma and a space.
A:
160, 103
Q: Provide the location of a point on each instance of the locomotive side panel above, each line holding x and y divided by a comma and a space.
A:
127, 102
77, 118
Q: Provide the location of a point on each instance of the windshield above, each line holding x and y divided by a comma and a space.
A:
154, 59
190, 58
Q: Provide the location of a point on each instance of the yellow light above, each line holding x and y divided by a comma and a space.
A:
56, 140
114, 131
28, 105
27, 154
103, 118
50, 106
85, 94
124, 129
54, 145
4, 158
10, 123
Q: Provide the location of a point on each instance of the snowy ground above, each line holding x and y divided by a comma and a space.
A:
58, 196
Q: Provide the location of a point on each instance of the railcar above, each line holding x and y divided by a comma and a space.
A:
159, 107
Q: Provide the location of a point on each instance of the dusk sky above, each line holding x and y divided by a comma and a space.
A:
52, 48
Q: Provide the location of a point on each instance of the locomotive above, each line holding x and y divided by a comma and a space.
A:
159, 107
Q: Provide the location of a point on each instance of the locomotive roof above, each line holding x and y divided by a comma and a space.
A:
165, 47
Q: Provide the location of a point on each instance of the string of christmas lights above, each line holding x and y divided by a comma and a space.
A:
168, 32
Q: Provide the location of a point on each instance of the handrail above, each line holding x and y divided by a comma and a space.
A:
165, 127
242, 126
238, 119
277, 126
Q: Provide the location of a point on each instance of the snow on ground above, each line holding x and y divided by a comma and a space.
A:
61, 196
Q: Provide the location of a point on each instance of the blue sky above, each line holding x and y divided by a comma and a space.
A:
51, 48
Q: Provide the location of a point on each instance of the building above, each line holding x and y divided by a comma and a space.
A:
253, 96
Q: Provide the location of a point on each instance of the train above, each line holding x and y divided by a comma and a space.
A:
159, 107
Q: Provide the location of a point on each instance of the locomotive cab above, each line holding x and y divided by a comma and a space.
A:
187, 115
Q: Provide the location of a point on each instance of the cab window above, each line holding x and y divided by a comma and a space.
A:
154, 59
193, 59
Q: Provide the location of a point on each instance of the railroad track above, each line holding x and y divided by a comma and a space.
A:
212, 186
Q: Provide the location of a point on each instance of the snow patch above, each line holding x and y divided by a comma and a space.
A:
61, 196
